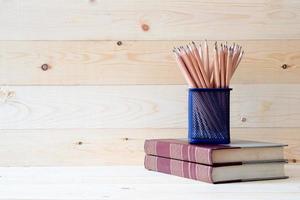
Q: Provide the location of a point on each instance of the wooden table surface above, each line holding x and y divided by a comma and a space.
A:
133, 182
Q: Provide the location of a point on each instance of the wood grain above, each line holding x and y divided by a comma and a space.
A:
87, 147
160, 106
129, 91
134, 62
133, 182
149, 20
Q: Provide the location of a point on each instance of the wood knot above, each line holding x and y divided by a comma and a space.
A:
11, 94
145, 27
126, 139
45, 67
243, 119
79, 143
6, 94
119, 43
284, 66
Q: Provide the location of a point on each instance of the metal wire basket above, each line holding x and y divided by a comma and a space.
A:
209, 115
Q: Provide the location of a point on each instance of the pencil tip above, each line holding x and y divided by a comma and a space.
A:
188, 47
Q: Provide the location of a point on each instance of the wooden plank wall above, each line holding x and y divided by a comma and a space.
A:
111, 80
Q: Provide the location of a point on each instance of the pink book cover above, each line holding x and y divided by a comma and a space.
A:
180, 149
179, 168
189, 170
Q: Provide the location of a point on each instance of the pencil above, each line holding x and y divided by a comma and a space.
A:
200, 65
202, 71
195, 66
206, 58
184, 70
228, 66
190, 66
221, 63
216, 67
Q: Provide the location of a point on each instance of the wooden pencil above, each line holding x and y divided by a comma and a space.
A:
184, 70
237, 63
190, 66
202, 71
200, 65
216, 68
221, 63
228, 66
206, 58
196, 66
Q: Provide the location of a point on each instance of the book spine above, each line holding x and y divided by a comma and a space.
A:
179, 168
186, 152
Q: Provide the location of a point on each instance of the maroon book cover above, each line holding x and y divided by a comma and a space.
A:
180, 149
179, 168
204, 173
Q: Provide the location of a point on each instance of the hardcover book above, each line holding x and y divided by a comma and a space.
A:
237, 152
216, 174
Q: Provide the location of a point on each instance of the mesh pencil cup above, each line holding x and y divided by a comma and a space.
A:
209, 115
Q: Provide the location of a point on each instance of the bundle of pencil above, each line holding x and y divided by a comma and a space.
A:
204, 71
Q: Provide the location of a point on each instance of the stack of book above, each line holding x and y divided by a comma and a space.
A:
237, 161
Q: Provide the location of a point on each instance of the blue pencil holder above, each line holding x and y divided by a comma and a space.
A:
209, 115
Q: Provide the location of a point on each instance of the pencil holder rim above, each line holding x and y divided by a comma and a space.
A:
210, 89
